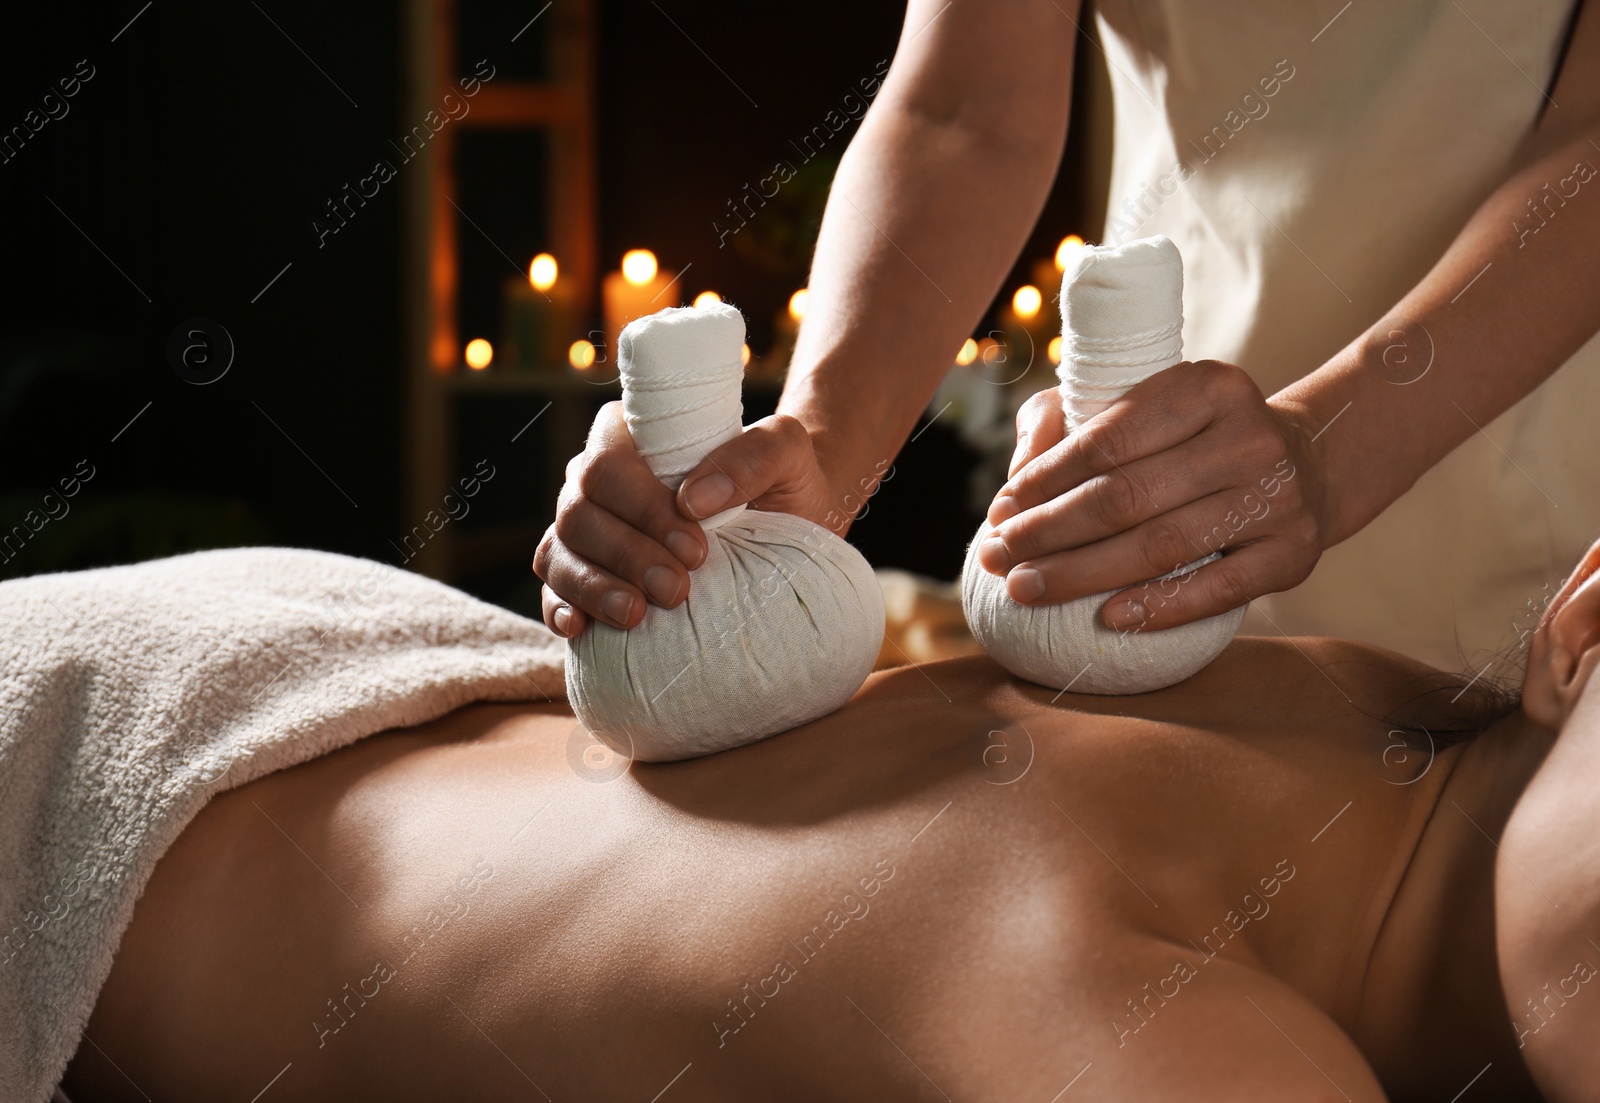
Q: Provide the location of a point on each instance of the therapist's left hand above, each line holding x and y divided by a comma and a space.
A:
1193, 460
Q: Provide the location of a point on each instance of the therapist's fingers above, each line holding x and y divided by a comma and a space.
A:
611, 474
1110, 504
1236, 579
1041, 426
559, 616
618, 539
581, 586
771, 465
615, 546
1160, 413
1216, 523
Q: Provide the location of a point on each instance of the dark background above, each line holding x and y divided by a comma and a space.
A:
188, 172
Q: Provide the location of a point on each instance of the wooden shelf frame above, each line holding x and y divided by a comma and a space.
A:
564, 107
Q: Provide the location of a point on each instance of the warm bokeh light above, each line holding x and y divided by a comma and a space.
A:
542, 272
479, 353
1054, 350
798, 303
705, 299
581, 355
1027, 301
744, 354
991, 351
968, 353
638, 266
1069, 245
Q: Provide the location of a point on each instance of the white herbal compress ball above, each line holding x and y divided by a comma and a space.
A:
783, 619
1122, 321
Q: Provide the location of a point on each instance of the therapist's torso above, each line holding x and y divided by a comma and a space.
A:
1313, 162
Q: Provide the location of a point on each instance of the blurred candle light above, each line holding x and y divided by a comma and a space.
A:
479, 354
1026, 329
637, 290
744, 355
968, 353
581, 355
1069, 245
639, 266
785, 331
536, 319
542, 272
705, 299
1055, 350
1027, 301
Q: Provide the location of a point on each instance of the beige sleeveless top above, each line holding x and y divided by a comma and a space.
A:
1312, 163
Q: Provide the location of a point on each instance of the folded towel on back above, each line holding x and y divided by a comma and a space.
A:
132, 695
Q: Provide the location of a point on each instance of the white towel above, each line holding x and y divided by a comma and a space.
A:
1122, 322
132, 695
783, 619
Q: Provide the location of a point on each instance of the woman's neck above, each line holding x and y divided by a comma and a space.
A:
1432, 1008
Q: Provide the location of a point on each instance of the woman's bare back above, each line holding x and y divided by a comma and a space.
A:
952, 888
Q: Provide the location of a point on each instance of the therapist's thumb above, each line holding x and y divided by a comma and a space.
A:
1041, 425
771, 465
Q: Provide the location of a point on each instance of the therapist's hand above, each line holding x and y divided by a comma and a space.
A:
1193, 460
621, 539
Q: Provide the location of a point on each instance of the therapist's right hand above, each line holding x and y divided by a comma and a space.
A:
621, 540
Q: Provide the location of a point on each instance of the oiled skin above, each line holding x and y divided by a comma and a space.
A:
595, 932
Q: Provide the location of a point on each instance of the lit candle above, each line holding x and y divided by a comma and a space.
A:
538, 316
1066, 250
1026, 302
542, 272
580, 354
479, 354
639, 289
1047, 274
1026, 328
785, 329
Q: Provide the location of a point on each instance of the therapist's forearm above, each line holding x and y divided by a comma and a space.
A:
1530, 305
925, 218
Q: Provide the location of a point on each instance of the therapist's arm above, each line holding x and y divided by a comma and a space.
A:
932, 202
1198, 451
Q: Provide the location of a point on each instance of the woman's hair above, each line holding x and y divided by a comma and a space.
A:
1456, 708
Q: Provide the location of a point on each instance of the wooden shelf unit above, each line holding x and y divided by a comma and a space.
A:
564, 107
